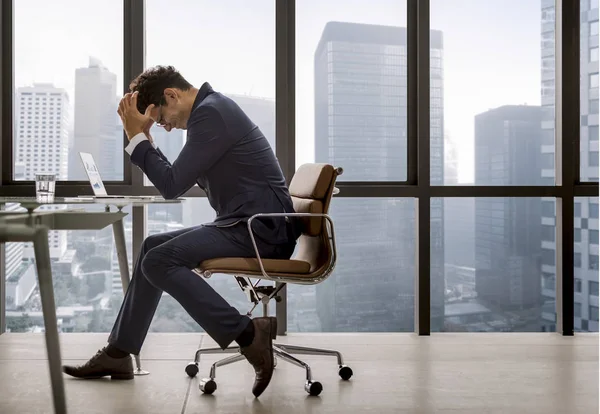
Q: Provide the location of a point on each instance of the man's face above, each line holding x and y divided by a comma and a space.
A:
172, 114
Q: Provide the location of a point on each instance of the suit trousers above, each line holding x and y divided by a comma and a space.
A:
165, 264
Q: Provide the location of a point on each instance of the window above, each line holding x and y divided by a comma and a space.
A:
594, 236
549, 281
577, 235
593, 313
548, 233
577, 310
577, 260
593, 159
548, 208
548, 160
83, 271
351, 88
593, 132
331, 306
594, 80
485, 242
251, 87
577, 209
594, 28
577, 285
485, 131
548, 137
593, 288
234, 39
594, 54
593, 106
593, 262
31, 54
593, 210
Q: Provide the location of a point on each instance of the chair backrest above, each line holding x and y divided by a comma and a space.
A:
311, 189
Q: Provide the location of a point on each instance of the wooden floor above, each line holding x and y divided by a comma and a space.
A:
394, 373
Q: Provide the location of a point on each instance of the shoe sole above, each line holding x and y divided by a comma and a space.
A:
125, 376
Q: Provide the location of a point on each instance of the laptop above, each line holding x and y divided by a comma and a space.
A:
89, 165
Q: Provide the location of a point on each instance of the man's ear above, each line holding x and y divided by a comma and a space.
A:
171, 94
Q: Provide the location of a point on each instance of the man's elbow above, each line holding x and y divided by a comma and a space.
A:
171, 194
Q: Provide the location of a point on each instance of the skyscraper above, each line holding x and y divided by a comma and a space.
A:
42, 142
41, 137
507, 230
586, 209
361, 125
95, 92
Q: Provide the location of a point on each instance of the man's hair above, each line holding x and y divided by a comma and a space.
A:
152, 83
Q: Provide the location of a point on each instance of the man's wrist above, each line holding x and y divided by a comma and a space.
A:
132, 133
134, 142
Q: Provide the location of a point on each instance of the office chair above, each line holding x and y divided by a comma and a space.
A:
312, 188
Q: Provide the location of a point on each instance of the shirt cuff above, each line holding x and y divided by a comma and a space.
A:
135, 141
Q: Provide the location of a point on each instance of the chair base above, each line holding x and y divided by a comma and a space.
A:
283, 351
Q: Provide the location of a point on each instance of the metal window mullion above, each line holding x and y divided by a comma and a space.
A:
2, 284
285, 110
134, 49
6, 144
134, 62
6, 93
567, 127
418, 71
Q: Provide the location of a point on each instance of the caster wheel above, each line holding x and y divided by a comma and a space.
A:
314, 388
208, 386
191, 369
345, 372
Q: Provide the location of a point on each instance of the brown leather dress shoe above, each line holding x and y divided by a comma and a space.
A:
102, 365
260, 352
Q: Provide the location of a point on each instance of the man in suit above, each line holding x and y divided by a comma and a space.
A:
227, 156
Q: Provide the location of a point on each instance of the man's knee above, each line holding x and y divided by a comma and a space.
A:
155, 265
153, 241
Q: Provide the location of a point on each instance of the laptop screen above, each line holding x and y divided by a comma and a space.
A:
92, 172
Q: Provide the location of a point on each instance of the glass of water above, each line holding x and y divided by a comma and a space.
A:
45, 184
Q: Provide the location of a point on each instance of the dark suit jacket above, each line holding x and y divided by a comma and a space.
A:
228, 156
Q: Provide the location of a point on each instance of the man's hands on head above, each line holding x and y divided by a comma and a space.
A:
134, 122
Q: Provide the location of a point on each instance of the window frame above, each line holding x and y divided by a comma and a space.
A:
568, 183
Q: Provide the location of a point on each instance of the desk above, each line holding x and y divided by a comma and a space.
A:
33, 226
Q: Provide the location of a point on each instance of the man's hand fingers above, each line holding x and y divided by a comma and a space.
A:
149, 109
126, 102
133, 102
121, 106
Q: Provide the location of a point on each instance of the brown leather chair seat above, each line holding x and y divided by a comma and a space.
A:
245, 265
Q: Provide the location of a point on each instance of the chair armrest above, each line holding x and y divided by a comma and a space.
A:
259, 215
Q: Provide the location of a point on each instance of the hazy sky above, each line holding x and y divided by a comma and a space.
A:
492, 53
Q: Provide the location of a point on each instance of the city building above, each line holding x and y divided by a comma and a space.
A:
41, 137
586, 209
94, 126
507, 238
41, 143
459, 231
361, 126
